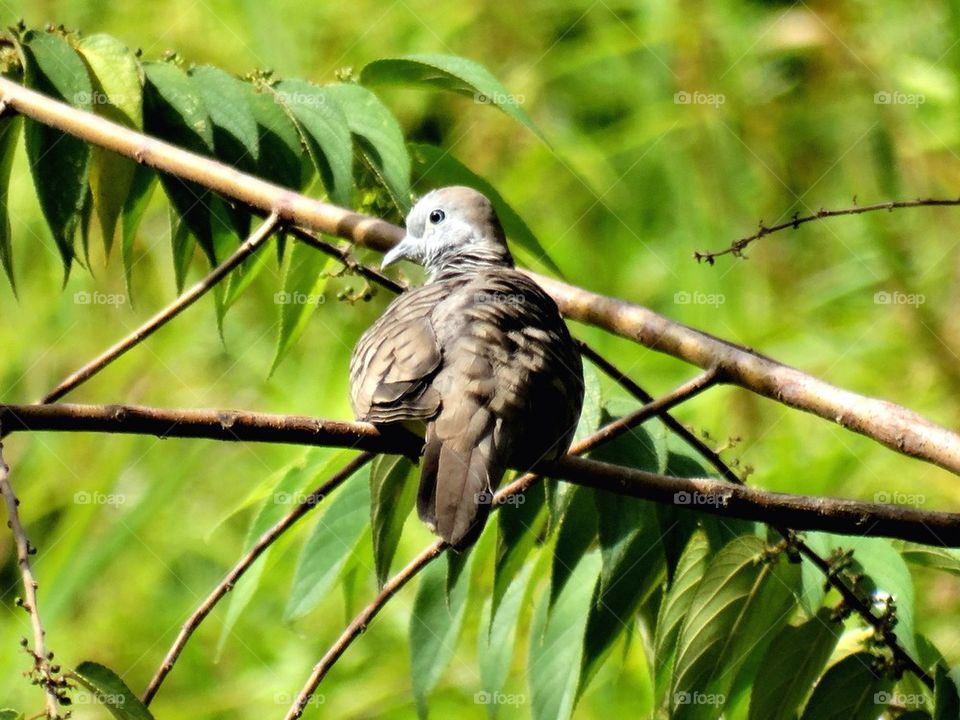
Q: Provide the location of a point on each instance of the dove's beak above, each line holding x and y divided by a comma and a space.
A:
406, 249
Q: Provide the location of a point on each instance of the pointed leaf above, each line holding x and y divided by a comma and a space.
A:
556, 643
303, 284
742, 599
575, 535
674, 608
141, 190
332, 542
393, 490
174, 111
379, 136
9, 132
60, 163
947, 700
937, 558
281, 155
434, 628
850, 690
451, 73
498, 633
437, 167
792, 663
519, 524
118, 96
591, 415
111, 691
287, 493
326, 134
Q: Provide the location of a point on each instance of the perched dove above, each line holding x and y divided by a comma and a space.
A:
478, 359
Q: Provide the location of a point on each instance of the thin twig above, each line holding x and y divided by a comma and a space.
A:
247, 248
738, 246
305, 505
891, 425
41, 672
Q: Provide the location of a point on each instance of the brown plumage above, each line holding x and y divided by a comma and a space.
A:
479, 357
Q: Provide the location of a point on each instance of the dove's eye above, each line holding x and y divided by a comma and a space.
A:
437, 216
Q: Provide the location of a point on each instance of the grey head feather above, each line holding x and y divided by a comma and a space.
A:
452, 230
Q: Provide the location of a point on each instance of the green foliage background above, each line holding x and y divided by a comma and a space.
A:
630, 184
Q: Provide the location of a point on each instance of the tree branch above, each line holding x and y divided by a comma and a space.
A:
801, 512
230, 580
247, 248
43, 673
895, 427
738, 246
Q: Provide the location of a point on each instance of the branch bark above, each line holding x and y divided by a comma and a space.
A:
889, 424
800, 512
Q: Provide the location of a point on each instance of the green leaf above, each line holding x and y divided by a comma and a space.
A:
118, 96
281, 155
451, 73
138, 198
556, 643
182, 245
742, 599
936, 558
437, 167
332, 542
393, 490
434, 628
519, 523
792, 663
303, 284
947, 688
850, 690
674, 608
576, 532
286, 494
174, 111
111, 691
326, 134
7, 714
9, 132
498, 633
591, 415
379, 136
60, 163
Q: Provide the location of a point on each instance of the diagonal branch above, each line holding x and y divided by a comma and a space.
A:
229, 581
188, 298
894, 426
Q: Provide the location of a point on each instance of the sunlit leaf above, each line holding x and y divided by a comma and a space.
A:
117, 96
326, 133
9, 132
435, 626
451, 73
138, 197
519, 523
379, 137
333, 540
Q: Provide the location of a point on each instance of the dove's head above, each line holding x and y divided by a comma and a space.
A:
452, 229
